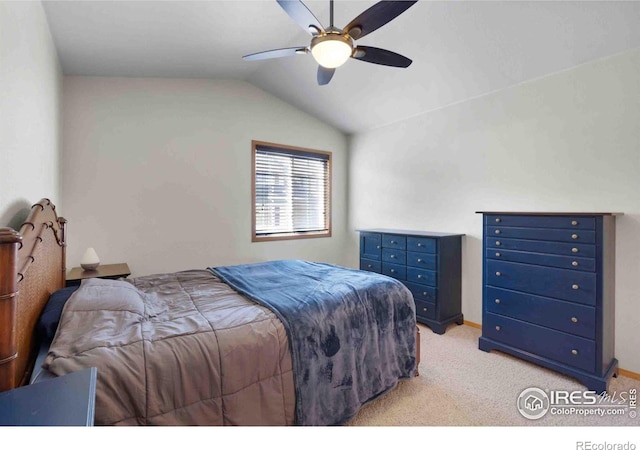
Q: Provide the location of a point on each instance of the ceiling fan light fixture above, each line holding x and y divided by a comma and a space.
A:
332, 50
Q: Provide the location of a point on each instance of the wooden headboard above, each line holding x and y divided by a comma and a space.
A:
32, 266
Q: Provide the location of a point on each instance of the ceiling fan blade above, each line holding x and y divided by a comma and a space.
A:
325, 75
299, 12
375, 17
278, 53
380, 56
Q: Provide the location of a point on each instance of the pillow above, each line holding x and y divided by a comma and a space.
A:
50, 317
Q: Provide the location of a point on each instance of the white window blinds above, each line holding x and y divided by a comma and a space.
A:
292, 191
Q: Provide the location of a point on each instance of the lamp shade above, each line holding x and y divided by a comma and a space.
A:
331, 50
90, 260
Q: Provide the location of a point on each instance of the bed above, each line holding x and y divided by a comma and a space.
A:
274, 343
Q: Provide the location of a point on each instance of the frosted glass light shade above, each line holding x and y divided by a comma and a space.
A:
90, 260
331, 50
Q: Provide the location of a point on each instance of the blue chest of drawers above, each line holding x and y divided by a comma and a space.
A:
548, 291
429, 264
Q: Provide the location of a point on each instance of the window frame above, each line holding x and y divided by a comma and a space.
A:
290, 235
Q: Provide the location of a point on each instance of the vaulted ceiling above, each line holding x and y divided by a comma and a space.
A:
460, 49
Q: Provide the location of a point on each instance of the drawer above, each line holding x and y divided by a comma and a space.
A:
571, 285
542, 259
422, 260
394, 270
370, 245
394, 256
425, 309
422, 292
422, 244
422, 276
572, 222
569, 317
370, 265
557, 248
564, 348
543, 234
394, 241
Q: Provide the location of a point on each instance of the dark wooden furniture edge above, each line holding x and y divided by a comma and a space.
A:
32, 266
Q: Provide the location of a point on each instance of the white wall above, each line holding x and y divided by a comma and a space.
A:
30, 96
566, 142
157, 172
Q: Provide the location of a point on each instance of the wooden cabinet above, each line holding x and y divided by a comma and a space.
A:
106, 271
548, 291
429, 264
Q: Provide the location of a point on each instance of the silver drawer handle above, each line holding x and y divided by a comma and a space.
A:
498, 274
498, 219
425, 294
424, 309
574, 222
369, 266
393, 256
574, 263
498, 328
393, 270
393, 242
419, 276
498, 254
378, 247
419, 260
575, 250
575, 286
574, 236
498, 243
574, 352
497, 231
419, 244
574, 319
498, 301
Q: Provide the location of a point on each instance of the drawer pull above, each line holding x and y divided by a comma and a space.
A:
419, 244
574, 263
498, 301
369, 266
498, 219
393, 242
498, 328
574, 352
574, 222
419, 276
378, 247
498, 274
424, 309
425, 294
498, 254
392, 256
393, 270
574, 319
575, 250
419, 259
498, 243
574, 236
575, 286
497, 231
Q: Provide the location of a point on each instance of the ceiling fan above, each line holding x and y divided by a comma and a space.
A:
331, 47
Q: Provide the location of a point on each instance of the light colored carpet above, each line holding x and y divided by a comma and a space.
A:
460, 385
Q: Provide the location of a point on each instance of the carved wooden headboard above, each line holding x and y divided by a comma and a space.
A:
32, 266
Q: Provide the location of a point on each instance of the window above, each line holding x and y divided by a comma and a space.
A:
291, 192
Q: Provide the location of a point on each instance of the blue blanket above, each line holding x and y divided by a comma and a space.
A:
351, 332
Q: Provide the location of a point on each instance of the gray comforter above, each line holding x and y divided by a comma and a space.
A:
180, 348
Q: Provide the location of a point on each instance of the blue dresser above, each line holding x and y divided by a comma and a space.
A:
429, 264
548, 291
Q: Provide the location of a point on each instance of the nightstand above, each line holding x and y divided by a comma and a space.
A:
107, 271
68, 400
